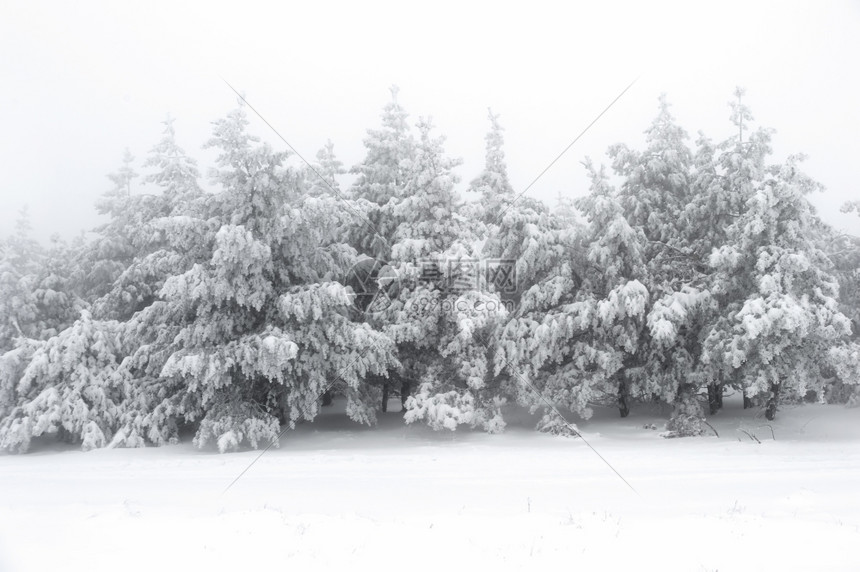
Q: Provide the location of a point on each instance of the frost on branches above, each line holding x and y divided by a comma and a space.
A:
576, 332
231, 313
258, 334
441, 319
70, 387
782, 314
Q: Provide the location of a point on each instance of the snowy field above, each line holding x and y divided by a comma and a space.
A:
398, 497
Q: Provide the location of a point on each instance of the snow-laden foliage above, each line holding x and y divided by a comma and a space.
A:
152, 223
441, 319
37, 293
70, 385
235, 314
19, 263
493, 184
256, 335
381, 179
781, 311
574, 334
324, 173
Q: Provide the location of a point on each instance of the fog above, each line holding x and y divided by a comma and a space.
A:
83, 81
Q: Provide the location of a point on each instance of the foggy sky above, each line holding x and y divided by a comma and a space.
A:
82, 81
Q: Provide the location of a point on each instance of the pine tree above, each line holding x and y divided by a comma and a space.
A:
845, 251
440, 318
781, 315
658, 188
175, 173
253, 333
656, 182
492, 184
381, 178
20, 258
151, 225
576, 332
68, 387
113, 249
323, 181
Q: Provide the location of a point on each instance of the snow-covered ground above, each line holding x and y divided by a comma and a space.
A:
397, 497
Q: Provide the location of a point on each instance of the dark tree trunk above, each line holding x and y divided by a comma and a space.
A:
715, 397
405, 392
772, 402
327, 399
748, 403
623, 407
385, 397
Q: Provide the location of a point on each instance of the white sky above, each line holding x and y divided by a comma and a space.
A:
83, 80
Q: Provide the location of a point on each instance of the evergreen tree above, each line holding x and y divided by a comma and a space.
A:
256, 334
175, 173
658, 187
781, 314
103, 259
68, 387
440, 319
324, 180
492, 184
20, 258
576, 333
381, 178
151, 223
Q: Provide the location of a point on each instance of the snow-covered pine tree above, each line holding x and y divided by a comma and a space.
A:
69, 386
37, 301
724, 179
20, 258
381, 177
152, 223
103, 259
323, 179
575, 334
55, 291
380, 185
493, 184
255, 332
523, 239
440, 319
524, 244
657, 190
780, 315
843, 250
175, 173
19, 262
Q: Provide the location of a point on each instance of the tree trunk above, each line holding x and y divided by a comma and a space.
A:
772, 402
623, 407
748, 403
405, 392
385, 397
327, 399
715, 397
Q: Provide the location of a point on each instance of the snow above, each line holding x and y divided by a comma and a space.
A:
341, 495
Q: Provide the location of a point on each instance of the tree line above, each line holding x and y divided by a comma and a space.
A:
688, 270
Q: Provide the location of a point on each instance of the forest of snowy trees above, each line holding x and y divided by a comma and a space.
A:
688, 270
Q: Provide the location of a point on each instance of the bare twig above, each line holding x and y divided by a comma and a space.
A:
712, 427
771, 430
751, 436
